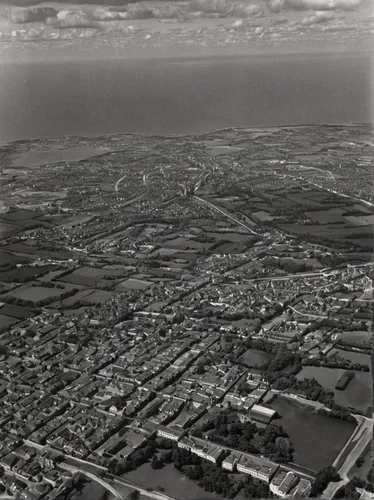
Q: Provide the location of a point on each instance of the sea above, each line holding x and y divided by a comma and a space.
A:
181, 96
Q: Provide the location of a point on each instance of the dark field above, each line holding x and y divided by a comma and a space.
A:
7, 259
24, 273
358, 393
90, 276
317, 439
17, 312
358, 337
175, 483
6, 321
255, 358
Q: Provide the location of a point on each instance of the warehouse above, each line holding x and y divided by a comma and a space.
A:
262, 414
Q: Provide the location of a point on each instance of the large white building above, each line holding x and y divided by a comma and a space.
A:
257, 467
168, 433
262, 414
230, 462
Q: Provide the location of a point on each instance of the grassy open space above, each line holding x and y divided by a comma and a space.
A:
316, 439
360, 337
355, 357
358, 393
255, 358
364, 469
35, 293
174, 482
91, 490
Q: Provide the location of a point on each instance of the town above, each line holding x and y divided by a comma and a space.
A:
187, 317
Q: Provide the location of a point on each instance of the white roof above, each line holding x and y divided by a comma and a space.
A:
263, 409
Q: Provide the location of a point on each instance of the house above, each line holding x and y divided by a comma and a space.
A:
282, 483
303, 489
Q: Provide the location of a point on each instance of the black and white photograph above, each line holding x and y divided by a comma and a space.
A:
186, 249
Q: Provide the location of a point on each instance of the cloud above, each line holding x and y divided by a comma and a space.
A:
242, 9
279, 20
318, 17
67, 19
210, 6
104, 14
170, 12
30, 15
335, 5
224, 8
180, 11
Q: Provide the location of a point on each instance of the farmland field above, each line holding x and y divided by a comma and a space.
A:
35, 293
6, 259
330, 216
24, 273
7, 229
185, 243
234, 237
134, 284
17, 312
89, 276
6, 321
97, 297
324, 439
358, 393
255, 358
360, 337
87, 297
355, 357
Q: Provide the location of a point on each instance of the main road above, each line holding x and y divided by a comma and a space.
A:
361, 437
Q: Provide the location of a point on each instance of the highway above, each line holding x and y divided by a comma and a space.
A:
225, 214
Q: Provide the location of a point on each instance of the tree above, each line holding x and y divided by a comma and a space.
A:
323, 478
156, 463
134, 495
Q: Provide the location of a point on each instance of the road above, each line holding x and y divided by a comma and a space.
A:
362, 437
321, 170
306, 402
94, 477
119, 182
360, 200
150, 494
225, 214
314, 316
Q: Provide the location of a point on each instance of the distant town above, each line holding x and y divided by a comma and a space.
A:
187, 317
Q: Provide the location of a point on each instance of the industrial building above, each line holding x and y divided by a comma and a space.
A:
262, 414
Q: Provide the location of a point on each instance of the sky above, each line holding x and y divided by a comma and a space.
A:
130, 28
